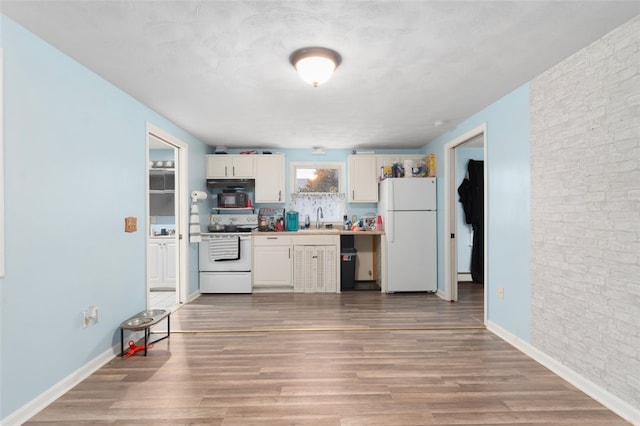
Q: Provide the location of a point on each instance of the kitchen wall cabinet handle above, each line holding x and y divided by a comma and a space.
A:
280, 195
353, 194
234, 170
225, 171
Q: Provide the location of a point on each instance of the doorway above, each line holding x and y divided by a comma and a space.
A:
166, 286
458, 234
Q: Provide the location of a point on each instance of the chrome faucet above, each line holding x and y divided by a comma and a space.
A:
319, 215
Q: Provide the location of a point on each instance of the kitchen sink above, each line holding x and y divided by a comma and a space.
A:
320, 231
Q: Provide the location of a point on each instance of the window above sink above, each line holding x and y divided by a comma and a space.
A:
318, 184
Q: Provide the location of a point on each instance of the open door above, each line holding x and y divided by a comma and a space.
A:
457, 235
166, 212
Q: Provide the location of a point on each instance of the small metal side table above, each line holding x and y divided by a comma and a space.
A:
143, 321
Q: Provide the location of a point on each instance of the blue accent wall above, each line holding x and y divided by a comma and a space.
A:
75, 167
509, 196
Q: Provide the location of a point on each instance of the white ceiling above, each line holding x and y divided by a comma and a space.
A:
220, 69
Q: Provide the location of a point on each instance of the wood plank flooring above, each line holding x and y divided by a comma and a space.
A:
360, 358
348, 310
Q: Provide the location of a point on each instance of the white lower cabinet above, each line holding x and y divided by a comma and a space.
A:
272, 260
286, 262
315, 269
162, 264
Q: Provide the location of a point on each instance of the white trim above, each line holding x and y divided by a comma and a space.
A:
450, 269
33, 407
2, 163
182, 219
606, 398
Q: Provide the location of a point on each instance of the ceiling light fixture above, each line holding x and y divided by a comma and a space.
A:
315, 64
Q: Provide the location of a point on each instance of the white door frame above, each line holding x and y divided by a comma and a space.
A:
450, 205
182, 214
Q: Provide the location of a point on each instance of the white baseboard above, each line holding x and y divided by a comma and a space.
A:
464, 276
606, 398
33, 407
442, 295
193, 296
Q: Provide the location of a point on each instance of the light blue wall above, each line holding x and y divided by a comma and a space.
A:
463, 230
508, 191
75, 167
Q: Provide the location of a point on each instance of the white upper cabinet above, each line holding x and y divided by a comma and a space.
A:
270, 178
363, 179
230, 166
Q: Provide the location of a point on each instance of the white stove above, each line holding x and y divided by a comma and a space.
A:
225, 256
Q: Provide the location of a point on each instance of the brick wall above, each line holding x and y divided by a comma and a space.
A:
585, 189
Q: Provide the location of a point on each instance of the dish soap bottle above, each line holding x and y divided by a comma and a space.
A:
307, 222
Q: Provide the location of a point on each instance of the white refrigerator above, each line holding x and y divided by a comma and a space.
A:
408, 210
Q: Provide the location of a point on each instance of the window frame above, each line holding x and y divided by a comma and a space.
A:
317, 165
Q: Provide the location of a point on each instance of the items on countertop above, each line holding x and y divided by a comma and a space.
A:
271, 219
292, 220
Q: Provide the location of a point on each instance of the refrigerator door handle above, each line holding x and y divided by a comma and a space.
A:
389, 226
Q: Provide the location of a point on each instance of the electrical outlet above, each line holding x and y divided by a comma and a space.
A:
500, 292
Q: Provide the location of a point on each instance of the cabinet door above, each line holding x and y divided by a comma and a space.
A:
272, 266
242, 166
270, 179
219, 166
363, 180
299, 269
154, 256
169, 262
315, 269
327, 269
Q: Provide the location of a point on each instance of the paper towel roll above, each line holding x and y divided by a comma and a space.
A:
198, 195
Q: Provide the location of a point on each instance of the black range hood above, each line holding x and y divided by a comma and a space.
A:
224, 183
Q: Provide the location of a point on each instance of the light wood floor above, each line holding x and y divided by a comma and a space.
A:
360, 358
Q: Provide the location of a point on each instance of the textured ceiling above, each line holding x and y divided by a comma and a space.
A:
220, 69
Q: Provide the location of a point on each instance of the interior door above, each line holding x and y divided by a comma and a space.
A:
163, 220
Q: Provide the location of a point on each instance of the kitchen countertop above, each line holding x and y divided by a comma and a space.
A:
313, 231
